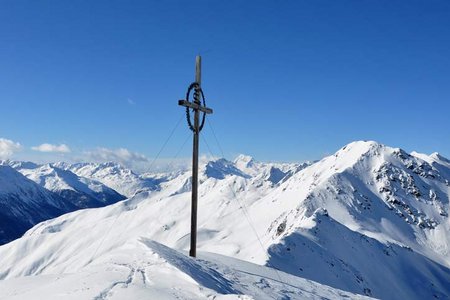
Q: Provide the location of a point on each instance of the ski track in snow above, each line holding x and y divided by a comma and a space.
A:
136, 276
107, 293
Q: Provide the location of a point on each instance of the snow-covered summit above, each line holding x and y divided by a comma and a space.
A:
19, 164
115, 176
221, 168
82, 192
243, 161
14, 183
11, 181
437, 156
267, 172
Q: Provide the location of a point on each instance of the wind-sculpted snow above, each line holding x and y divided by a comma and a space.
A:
144, 269
369, 219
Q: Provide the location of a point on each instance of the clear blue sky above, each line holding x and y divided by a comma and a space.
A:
288, 80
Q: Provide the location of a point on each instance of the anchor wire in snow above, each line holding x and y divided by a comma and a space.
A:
241, 203
151, 165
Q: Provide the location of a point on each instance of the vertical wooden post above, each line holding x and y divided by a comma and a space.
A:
198, 70
196, 106
198, 78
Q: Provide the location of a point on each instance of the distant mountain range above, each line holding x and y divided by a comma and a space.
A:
23, 203
32, 192
369, 220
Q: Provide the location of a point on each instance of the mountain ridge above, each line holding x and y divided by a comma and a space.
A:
390, 205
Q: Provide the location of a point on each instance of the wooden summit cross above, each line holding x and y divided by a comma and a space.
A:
197, 105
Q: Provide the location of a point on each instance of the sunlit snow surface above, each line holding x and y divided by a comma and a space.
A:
148, 270
369, 219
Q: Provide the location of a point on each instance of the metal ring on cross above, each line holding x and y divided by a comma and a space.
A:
197, 93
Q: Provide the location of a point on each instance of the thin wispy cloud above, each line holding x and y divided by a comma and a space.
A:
46, 153
62, 148
8, 148
133, 160
121, 155
131, 101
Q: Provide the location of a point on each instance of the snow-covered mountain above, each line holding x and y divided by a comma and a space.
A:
369, 220
23, 203
272, 172
113, 175
80, 191
370, 213
45, 192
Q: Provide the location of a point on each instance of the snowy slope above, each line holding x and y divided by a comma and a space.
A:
376, 195
381, 192
144, 269
355, 262
113, 175
369, 219
80, 191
